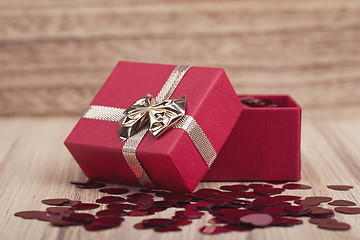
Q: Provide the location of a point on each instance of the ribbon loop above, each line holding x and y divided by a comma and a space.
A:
158, 117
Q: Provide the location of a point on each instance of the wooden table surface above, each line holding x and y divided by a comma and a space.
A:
34, 165
55, 55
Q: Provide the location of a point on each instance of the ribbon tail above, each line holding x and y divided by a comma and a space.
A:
129, 126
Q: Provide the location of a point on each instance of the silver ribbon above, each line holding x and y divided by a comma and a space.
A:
187, 123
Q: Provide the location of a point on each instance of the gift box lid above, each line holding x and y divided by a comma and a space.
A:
172, 161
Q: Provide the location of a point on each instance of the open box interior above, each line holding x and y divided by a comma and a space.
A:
283, 101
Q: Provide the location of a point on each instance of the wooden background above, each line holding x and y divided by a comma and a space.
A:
54, 56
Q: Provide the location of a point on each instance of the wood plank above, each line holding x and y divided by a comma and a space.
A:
35, 165
55, 56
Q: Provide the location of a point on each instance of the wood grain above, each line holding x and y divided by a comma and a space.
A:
35, 165
54, 56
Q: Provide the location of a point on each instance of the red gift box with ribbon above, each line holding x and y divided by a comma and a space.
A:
165, 140
264, 144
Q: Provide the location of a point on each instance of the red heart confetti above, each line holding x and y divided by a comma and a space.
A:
321, 212
91, 227
342, 203
92, 185
237, 187
181, 222
296, 186
114, 191
260, 185
139, 200
164, 204
111, 213
234, 209
274, 210
178, 198
291, 222
252, 195
287, 197
157, 222
62, 223
30, 214
120, 206
110, 199
49, 218
319, 198
140, 226
70, 203
348, 210
59, 210
188, 214
86, 206
134, 213
319, 221
340, 187
88, 182
267, 191
335, 226
79, 217
257, 219
56, 201
108, 222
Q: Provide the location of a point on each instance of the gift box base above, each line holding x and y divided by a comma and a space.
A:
263, 146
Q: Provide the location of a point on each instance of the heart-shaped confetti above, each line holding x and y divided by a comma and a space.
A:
257, 219
236, 208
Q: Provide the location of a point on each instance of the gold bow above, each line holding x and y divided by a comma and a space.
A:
161, 116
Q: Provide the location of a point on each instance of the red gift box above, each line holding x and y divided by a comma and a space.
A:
172, 161
263, 146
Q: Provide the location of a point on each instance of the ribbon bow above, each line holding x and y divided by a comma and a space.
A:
160, 116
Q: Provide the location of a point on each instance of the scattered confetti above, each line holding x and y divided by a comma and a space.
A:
30, 214
157, 222
342, 203
319, 221
348, 210
108, 222
120, 206
114, 191
59, 210
111, 213
56, 201
335, 226
79, 217
296, 186
90, 185
321, 212
167, 229
340, 187
237, 207
257, 219
110, 199
62, 223
188, 214
237, 187
86, 206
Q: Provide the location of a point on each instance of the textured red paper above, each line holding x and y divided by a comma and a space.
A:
263, 146
172, 161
